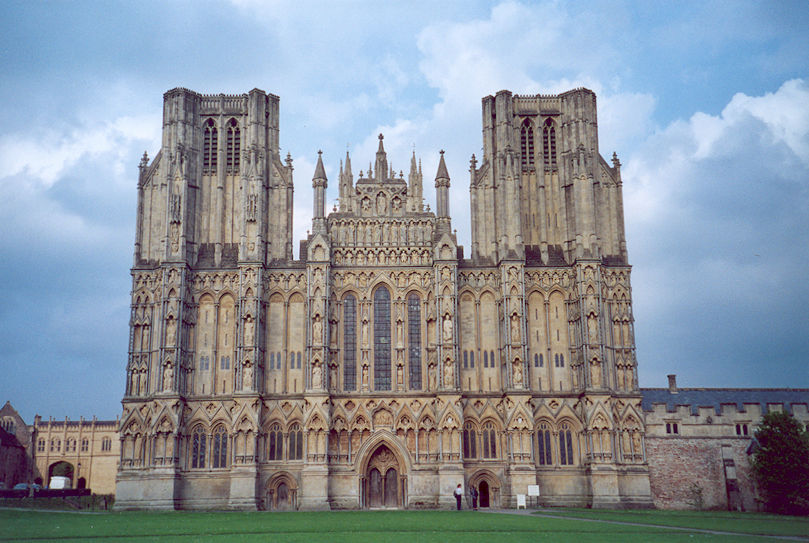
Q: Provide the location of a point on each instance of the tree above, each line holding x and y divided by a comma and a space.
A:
781, 464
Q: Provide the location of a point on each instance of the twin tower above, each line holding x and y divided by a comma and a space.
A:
382, 368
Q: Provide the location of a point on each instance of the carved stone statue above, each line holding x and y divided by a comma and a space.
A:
515, 328
447, 327
365, 375
168, 376
399, 374
317, 331
317, 376
431, 378
171, 332
399, 335
333, 376
517, 372
364, 333
448, 382
247, 377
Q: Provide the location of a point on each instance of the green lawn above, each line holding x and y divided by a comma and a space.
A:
724, 521
353, 527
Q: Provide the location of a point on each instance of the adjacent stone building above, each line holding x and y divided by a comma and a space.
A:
384, 366
86, 451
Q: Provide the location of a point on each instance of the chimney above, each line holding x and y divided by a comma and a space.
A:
672, 383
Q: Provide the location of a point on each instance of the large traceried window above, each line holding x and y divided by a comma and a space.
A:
414, 340
220, 448
565, 445
210, 146
295, 442
470, 438
382, 339
549, 145
544, 454
350, 343
527, 144
198, 443
275, 443
489, 441
233, 146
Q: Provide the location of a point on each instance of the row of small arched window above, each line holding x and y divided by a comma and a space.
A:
70, 445
211, 450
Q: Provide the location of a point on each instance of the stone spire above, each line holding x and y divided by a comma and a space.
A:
319, 183
415, 191
442, 189
346, 185
381, 166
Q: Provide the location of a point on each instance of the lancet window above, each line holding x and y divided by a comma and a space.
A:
469, 441
382, 339
414, 340
350, 343
489, 441
527, 144
549, 145
565, 445
275, 443
233, 146
210, 144
198, 447
544, 454
220, 448
295, 448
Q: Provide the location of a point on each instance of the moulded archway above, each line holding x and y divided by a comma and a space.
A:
383, 477
488, 487
281, 493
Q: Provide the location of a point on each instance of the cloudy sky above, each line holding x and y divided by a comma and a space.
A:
706, 104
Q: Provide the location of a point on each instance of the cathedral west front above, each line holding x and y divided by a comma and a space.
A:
385, 366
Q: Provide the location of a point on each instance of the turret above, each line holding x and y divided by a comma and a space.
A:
319, 183
415, 190
442, 193
381, 166
346, 185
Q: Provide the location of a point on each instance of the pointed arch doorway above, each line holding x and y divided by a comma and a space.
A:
384, 482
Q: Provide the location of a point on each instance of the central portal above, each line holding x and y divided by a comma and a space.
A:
384, 480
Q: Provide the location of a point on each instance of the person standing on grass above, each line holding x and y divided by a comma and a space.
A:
458, 495
473, 493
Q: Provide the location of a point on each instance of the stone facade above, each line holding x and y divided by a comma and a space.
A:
87, 451
383, 367
698, 442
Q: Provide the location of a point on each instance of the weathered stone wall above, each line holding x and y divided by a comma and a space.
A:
682, 467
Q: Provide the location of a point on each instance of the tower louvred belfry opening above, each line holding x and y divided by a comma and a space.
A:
384, 366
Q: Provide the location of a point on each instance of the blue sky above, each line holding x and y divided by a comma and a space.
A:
706, 104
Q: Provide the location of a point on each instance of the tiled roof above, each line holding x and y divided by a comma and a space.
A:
716, 397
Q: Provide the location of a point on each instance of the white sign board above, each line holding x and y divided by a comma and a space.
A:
520, 501
533, 490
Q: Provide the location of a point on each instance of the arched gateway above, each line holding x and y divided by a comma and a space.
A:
383, 483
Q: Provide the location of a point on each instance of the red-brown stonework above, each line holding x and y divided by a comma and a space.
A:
680, 466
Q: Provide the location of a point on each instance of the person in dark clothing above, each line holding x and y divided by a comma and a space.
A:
458, 495
473, 493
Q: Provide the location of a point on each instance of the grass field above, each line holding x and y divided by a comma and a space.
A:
358, 527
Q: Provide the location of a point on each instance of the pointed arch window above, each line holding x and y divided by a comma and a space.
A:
233, 146
295, 442
220, 448
414, 340
275, 445
549, 145
565, 445
489, 441
198, 447
527, 145
470, 436
382, 339
544, 455
350, 343
210, 146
